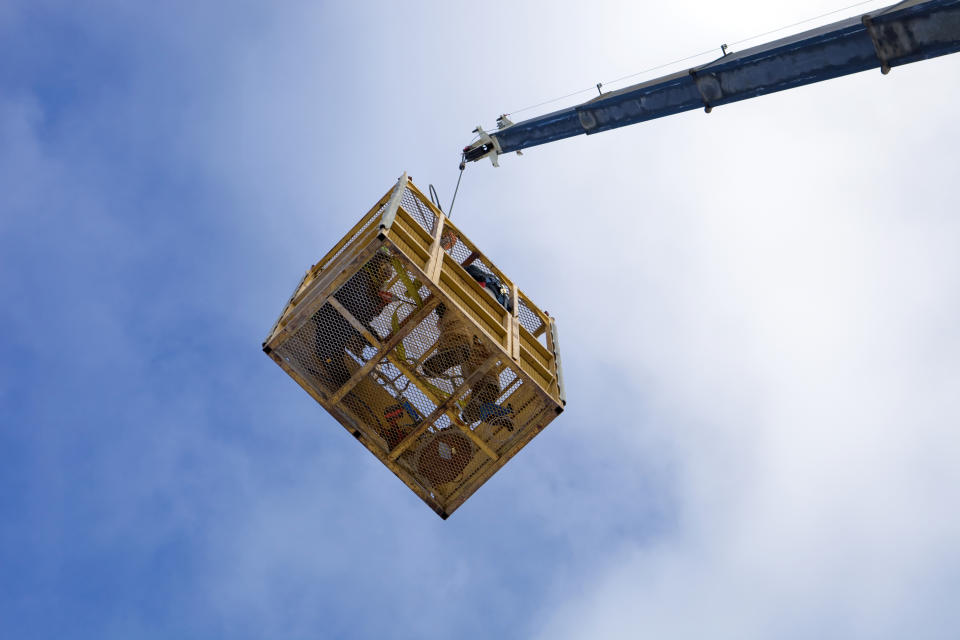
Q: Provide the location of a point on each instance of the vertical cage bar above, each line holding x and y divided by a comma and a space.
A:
561, 392
390, 213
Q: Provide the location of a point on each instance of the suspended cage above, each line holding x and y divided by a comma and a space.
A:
410, 337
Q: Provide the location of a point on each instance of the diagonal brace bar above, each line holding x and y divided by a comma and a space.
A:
413, 319
472, 379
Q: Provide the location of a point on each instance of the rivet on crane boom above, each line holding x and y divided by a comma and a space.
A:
902, 33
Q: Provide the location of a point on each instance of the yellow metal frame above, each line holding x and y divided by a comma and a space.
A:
532, 356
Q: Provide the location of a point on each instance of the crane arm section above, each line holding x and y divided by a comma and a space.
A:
896, 35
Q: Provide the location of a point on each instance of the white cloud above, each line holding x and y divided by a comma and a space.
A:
758, 315
786, 289
774, 283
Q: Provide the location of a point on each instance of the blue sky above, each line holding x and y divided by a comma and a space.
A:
758, 315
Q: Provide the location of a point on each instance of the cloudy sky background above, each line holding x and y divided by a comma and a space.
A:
758, 308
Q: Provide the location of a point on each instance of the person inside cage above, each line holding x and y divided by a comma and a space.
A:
364, 296
458, 345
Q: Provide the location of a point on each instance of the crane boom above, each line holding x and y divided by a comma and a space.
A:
896, 35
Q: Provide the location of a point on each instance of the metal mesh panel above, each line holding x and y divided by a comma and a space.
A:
326, 350
329, 346
477, 268
442, 457
484, 410
371, 218
418, 210
465, 254
388, 405
400, 368
498, 407
299, 352
458, 351
394, 406
530, 320
287, 306
460, 250
403, 302
501, 407
418, 367
522, 405
444, 453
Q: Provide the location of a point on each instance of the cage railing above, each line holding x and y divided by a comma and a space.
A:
443, 435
